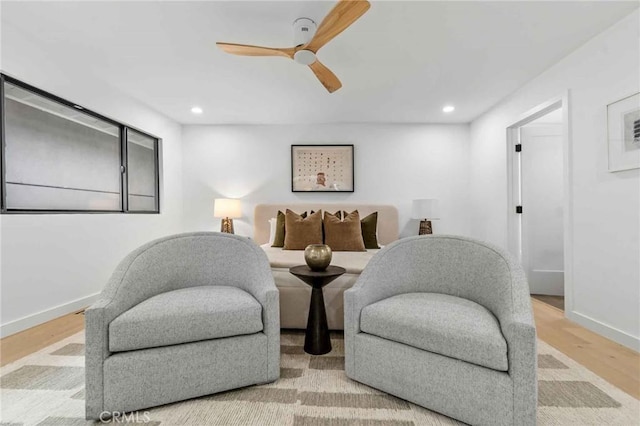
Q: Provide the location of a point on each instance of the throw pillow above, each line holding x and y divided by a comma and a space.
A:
345, 235
278, 240
369, 226
337, 214
301, 231
272, 230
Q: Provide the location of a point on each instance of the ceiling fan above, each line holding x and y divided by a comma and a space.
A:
343, 14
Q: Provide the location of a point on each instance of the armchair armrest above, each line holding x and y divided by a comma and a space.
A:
523, 365
271, 323
352, 309
263, 288
269, 298
96, 351
355, 299
518, 318
519, 330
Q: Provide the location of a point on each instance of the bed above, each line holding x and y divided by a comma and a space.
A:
294, 294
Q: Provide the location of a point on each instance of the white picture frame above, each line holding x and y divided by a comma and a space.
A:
623, 133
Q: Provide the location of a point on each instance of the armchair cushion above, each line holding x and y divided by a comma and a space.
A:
439, 323
186, 315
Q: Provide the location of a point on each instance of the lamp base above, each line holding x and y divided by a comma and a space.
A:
226, 226
425, 227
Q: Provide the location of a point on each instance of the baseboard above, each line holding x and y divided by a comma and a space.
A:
619, 336
548, 282
29, 321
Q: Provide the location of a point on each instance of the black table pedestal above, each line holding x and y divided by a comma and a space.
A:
317, 340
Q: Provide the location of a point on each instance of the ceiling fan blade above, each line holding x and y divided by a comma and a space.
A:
326, 77
345, 13
248, 50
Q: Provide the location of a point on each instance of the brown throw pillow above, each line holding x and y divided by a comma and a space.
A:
278, 241
369, 226
345, 235
300, 231
337, 214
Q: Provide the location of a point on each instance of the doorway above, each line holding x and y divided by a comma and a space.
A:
539, 200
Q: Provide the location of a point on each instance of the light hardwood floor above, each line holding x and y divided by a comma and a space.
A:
613, 362
39, 337
557, 301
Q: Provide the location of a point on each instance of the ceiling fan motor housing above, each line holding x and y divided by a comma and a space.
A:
303, 30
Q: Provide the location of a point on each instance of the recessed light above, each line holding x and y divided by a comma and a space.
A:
196, 110
448, 108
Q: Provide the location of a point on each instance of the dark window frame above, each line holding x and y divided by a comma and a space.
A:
124, 166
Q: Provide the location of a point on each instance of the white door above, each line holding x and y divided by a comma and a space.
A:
541, 160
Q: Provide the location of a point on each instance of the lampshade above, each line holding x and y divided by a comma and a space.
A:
227, 207
425, 209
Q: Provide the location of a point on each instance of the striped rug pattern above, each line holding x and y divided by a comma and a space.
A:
47, 389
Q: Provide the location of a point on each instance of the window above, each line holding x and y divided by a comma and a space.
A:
60, 157
142, 155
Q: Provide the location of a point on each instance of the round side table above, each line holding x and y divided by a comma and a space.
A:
316, 339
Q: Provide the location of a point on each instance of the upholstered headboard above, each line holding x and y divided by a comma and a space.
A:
387, 217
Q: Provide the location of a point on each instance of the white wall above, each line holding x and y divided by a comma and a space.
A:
53, 264
393, 165
605, 206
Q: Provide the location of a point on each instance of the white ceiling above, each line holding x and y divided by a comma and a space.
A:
401, 62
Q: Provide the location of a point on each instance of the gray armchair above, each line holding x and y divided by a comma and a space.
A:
446, 323
181, 317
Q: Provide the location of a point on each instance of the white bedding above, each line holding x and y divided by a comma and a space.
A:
353, 261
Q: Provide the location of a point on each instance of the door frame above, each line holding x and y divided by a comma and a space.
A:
513, 183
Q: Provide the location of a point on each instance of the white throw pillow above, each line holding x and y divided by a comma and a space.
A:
272, 230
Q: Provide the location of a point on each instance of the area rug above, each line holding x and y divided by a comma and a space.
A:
47, 388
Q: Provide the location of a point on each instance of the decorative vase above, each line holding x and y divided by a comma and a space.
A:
317, 256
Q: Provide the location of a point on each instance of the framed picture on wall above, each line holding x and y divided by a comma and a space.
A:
322, 168
623, 128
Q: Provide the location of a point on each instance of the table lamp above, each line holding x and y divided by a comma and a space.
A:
426, 210
227, 209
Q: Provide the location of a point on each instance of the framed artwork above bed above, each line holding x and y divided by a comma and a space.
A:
322, 168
